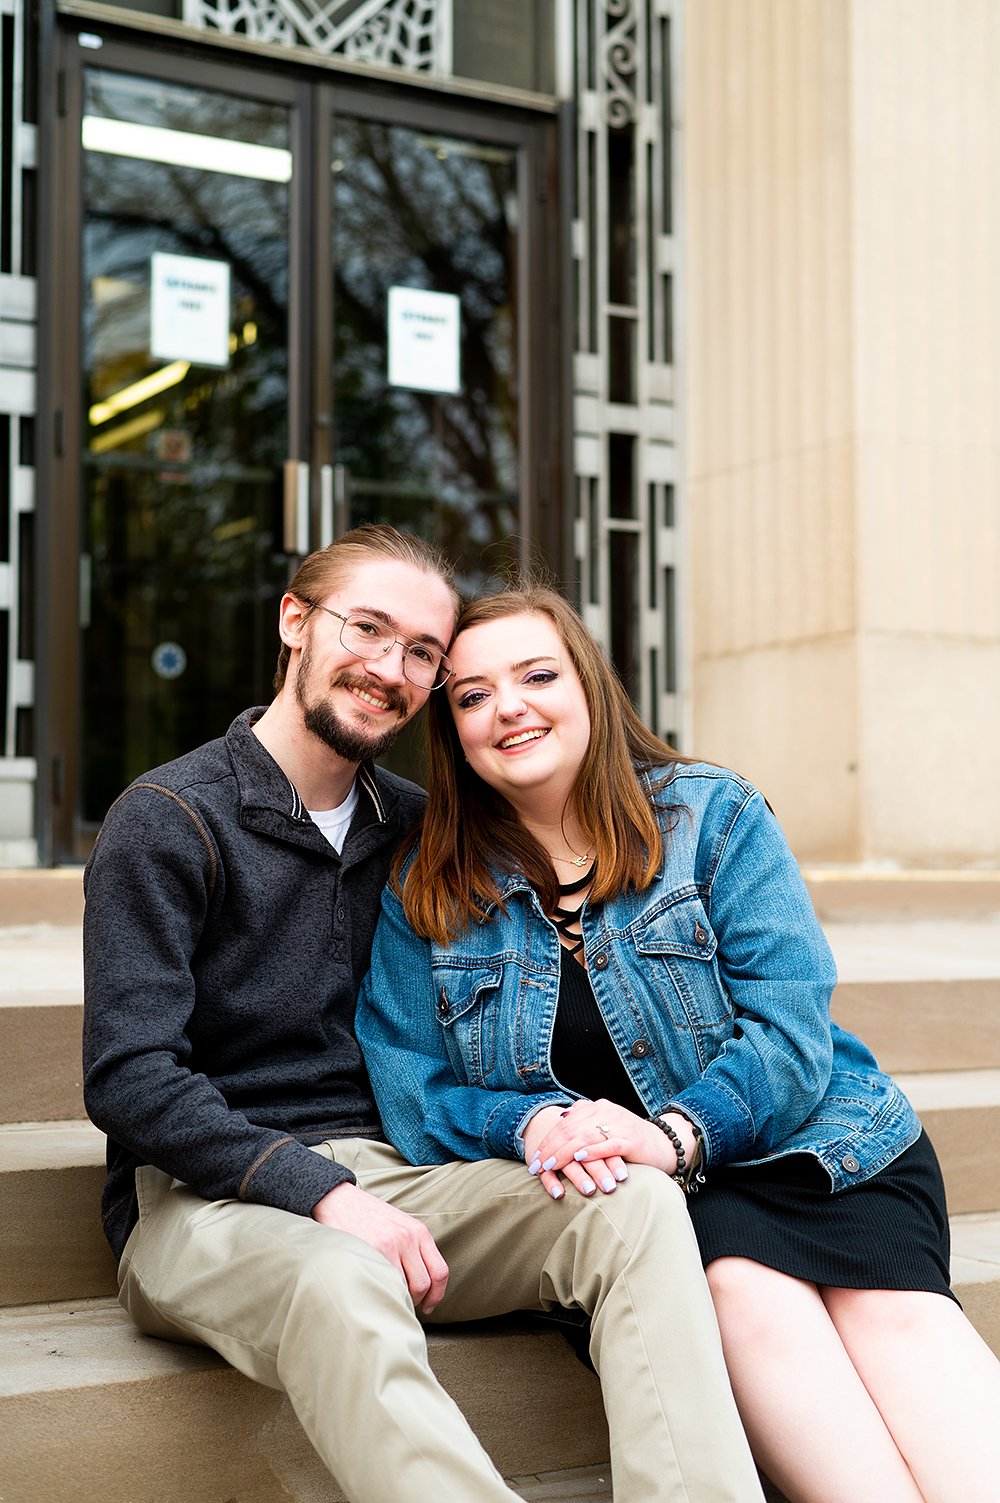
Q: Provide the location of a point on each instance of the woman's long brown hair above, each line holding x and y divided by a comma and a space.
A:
470, 830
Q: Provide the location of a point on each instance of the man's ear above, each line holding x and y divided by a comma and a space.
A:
293, 615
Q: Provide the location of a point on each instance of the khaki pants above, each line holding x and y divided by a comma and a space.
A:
321, 1315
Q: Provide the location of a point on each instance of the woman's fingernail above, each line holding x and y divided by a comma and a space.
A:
534, 1166
557, 1192
609, 1183
621, 1174
550, 1163
581, 1154
588, 1187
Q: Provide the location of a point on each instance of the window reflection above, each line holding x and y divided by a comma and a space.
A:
412, 209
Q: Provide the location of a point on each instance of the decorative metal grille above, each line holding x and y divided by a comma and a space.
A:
624, 54
411, 34
18, 342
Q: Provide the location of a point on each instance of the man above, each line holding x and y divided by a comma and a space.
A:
255, 1207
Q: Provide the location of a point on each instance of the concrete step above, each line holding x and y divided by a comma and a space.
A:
41, 897
41, 1018
924, 1024
85, 1401
924, 996
51, 1243
41, 1073
838, 894
910, 1025
51, 1174
857, 894
961, 1112
975, 1271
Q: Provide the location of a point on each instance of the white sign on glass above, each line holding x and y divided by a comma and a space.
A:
424, 336
189, 305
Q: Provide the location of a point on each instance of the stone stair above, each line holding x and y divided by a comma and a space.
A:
86, 1402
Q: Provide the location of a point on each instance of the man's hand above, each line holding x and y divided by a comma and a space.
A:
402, 1239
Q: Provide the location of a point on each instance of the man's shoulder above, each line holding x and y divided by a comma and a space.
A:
200, 780
185, 774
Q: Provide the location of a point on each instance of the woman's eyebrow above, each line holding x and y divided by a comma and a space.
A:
475, 678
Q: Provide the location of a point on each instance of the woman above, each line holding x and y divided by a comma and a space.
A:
601, 954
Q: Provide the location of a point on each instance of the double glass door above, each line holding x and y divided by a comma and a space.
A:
300, 306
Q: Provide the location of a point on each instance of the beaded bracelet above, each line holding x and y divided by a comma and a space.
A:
686, 1175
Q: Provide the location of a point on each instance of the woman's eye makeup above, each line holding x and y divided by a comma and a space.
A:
536, 679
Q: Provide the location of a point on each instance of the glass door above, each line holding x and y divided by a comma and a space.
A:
283, 305
185, 292
425, 234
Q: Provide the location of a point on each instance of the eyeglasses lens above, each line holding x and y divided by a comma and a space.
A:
421, 663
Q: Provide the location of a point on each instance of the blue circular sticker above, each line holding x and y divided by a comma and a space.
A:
168, 659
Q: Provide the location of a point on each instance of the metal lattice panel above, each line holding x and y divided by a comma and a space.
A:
411, 34
626, 250
18, 341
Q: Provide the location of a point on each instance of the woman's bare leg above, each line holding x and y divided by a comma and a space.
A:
936, 1384
812, 1425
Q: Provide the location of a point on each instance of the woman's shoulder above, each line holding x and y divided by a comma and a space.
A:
697, 781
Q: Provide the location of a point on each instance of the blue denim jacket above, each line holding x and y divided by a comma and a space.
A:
714, 983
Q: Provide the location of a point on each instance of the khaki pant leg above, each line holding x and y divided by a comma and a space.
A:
631, 1260
319, 1314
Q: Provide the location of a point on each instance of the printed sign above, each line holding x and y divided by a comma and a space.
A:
424, 339
189, 309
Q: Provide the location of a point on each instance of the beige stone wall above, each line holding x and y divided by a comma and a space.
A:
842, 204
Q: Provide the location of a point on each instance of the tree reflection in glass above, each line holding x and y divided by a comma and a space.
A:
415, 210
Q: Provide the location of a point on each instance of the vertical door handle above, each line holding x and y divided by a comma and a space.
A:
86, 586
326, 531
341, 498
296, 509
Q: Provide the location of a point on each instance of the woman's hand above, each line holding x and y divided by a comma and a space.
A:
591, 1141
588, 1174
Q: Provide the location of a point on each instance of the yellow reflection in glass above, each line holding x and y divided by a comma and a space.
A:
139, 391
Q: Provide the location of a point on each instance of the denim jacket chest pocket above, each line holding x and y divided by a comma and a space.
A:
467, 1000
676, 949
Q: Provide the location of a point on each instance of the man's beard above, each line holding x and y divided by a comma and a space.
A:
350, 743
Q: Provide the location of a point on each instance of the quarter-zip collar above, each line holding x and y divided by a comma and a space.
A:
271, 804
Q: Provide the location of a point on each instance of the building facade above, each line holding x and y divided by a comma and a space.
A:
687, 301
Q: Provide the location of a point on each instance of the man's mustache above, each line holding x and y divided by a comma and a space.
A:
392, 696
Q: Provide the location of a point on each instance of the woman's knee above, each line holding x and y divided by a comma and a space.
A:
891, 1314
757, 1302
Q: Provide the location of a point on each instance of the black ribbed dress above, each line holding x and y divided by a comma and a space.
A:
889, 1232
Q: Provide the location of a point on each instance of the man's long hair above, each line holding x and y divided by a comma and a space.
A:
327, 568
470, 831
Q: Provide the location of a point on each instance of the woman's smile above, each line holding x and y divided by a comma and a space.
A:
519, 707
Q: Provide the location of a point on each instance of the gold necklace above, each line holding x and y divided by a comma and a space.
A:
579, 861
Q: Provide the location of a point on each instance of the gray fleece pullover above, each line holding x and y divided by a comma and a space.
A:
224, 944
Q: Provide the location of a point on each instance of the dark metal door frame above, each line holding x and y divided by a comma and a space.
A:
313, 96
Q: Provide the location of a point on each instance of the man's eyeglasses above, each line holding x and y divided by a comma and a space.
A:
424, 665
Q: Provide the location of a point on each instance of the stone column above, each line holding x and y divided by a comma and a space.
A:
843, 445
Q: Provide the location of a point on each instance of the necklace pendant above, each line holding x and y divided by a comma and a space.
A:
580, 861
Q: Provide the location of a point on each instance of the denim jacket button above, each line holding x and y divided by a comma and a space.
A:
700, 935
640, 1049
444, 1006
850, 1163
600, 961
